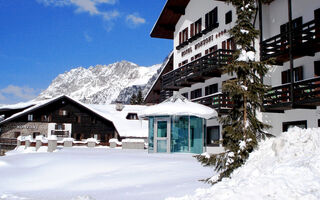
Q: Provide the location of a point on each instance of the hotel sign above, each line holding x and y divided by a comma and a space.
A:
198, 45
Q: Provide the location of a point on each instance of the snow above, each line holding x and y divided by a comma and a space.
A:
98, 173
286, 167
52, 137
179, 105
67, 140
92, 140
246, 56
133, 140
244, 31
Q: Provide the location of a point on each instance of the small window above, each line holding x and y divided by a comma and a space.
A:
35, 134
213, 49
30, 118
196, 93
317, 68
197, 56
211, 89
287, 125
186, 95
59, 127
229, 17
183, 36
132, 116
184, 62
63, 112
17, 134
213, 136
44, 118
196, 27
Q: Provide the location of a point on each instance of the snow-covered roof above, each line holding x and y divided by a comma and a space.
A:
179, 105
125, 127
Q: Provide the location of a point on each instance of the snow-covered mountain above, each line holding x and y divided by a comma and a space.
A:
103, 84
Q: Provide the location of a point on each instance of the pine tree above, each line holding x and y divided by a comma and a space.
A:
133, 99
241, 127
139, 98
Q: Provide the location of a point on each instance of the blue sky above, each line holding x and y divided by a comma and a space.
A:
40, 39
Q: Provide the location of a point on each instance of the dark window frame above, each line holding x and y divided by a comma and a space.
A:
228, 17
285, 125
216, 142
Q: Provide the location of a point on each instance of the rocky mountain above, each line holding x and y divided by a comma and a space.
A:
103, 84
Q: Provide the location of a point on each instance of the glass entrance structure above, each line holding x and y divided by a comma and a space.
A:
176, 134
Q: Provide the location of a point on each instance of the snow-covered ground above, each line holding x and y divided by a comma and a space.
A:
286, 168
99, 173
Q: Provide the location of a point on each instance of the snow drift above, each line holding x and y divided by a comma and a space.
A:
286, 167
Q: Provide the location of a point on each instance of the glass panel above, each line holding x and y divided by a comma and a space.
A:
196, 133
179, 134
162, 128
161, 146
213, 136
151, 134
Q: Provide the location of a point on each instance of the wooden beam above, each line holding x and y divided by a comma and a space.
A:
169, 27
178, 9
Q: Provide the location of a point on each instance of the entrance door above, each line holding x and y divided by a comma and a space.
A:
162, 135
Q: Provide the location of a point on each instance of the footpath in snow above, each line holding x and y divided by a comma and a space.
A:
286, 167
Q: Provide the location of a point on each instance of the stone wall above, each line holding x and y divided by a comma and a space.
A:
24, 128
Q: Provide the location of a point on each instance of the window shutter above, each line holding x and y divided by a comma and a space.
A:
224, 45
284, 77
299, 71
187, 29
56, 127
192, 30
180, 38
63, 127
207, 20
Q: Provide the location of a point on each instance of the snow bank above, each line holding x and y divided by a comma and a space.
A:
286, 167
42, 139
92, 140
52, 137
67, 140
115, 140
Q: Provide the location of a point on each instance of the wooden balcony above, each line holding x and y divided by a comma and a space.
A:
305, 42
165, 94
218, 101
206, 67
306, 95
8, 143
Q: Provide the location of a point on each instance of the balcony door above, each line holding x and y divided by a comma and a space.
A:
162, 129
296, 27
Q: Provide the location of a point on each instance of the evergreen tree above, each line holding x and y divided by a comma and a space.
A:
241, 127
139, 98
133, 99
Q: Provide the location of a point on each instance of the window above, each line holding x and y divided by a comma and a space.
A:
196, 93
196, 27
16, 134
231, 45
211, 89
213, 49
287, 125
213, 136
318, 122
59, 127
297, 74
317, 68
183, 36
184, 62
197, 56
211, 19
132, 116
35, 134
229, 17
44, 118
30, 118
63, 112
186, 95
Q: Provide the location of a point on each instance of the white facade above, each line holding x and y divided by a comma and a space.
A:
274, 15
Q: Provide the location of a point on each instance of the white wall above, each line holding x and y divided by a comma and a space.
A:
195, 10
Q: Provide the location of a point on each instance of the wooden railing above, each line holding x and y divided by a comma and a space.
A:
219, 101
8, 142
305, 93
200, 68
165, 94
304, 42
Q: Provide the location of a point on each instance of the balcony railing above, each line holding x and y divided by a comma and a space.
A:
197, 71
305, 42
218, 101
306, 94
